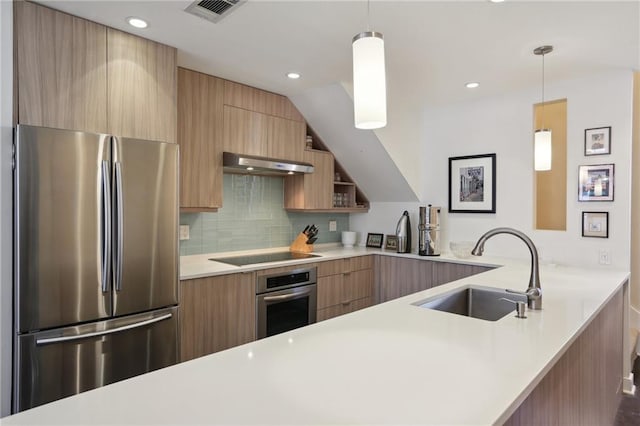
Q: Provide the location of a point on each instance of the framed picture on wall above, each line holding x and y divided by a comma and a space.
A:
595, 224
596, 182
472, 184
597, 141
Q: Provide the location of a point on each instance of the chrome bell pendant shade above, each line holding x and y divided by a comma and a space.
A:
542, 137
369, 80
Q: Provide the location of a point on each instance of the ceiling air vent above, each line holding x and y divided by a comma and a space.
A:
213, 10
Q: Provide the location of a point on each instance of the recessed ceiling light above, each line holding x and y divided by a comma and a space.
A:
472, 85
496, 1
293, 75
137, 22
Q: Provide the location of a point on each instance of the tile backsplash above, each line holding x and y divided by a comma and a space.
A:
253, 217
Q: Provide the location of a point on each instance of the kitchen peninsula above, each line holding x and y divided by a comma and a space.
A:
395, 363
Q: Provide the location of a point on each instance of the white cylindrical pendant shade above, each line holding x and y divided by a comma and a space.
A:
542, 150
369, 81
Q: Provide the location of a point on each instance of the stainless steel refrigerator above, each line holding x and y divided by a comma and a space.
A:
96, 261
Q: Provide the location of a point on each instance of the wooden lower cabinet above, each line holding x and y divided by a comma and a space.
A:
344, 286
583, 387
397, 276
216, 313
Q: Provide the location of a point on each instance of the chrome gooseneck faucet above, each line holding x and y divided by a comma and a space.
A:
534, 291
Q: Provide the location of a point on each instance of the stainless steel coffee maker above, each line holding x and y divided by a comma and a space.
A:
429, 231
403, 232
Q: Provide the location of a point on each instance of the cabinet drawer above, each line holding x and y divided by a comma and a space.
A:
344, 288
348, 264
343, 308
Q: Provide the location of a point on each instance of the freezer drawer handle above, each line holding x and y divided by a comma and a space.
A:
120, 226
106, 226
102, 333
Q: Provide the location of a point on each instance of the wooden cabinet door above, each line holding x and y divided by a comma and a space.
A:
245, 132
286, 138
216, 313
318, 186
445, 272
330, 291
252, 99
61, 69
142, 81
399, 277
200, 120
358, 284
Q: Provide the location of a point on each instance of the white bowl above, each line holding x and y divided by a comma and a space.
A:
348, 238
462, 249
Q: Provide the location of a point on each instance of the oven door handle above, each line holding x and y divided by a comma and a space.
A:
287, 296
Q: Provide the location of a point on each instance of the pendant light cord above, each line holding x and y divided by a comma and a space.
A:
369, 16
543, 91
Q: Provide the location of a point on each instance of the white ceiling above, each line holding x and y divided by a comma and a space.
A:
432, 49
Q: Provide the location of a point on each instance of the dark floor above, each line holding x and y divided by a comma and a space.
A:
629, 410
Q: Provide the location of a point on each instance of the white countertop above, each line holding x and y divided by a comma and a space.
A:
198, 266
393, 363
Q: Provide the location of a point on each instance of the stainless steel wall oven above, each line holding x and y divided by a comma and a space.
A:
285, 301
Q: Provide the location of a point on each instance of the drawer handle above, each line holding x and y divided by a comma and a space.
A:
346, 273
346, 303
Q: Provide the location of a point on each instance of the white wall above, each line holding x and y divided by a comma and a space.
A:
6, 140
504, 125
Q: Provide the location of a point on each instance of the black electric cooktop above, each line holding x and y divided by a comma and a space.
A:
263, 258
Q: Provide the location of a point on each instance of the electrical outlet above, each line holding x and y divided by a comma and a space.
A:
605, 257
184, 232
333, 226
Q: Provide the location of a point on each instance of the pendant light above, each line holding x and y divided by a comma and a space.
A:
542, 136
369, 80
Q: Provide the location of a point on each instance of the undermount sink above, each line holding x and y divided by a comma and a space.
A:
474, 301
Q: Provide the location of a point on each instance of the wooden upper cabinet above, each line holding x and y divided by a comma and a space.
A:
244, 132
313, 191
61, 69
252, 99
200, 115
285, 138
142, 87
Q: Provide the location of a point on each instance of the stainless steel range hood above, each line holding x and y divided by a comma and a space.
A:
250, 164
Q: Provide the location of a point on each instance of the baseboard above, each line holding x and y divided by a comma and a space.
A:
628, 388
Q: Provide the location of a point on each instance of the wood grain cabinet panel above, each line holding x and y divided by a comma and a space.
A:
285, 138
444, 272
61, 69
142, 87
216, 313
313, 191
342, 289
200, 118
245, 132
252, 99
399, 277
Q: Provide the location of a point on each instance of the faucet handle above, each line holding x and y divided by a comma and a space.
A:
521, 307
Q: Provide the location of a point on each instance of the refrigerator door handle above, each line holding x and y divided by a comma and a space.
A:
50, 340
119, 227
106, 225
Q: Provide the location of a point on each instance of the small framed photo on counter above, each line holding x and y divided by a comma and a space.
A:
374, 240
391, 243
595, 224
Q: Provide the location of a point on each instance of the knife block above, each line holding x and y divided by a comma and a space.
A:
299, 245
